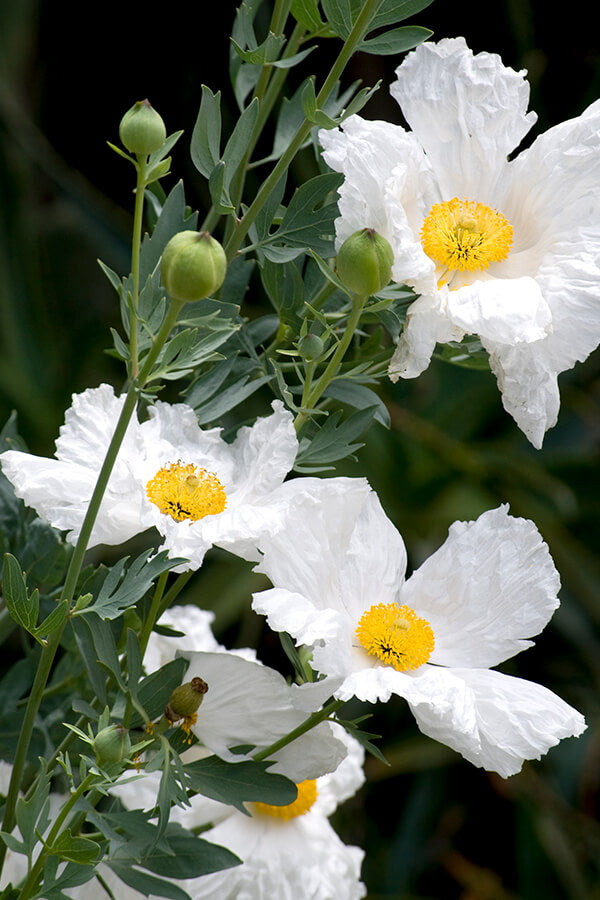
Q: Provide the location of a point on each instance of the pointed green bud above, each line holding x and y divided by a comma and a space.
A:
185, 700
311, 346
193, 266
111, 745
364, 263
142, 130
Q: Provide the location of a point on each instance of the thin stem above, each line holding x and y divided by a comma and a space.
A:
34, 875
313, 720
173, 592
152, 616
334, 363
351, 44
135, 259
278, 20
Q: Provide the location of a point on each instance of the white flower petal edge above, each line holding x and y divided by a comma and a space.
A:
60, 489
489, 587
536, 310
495, 721
303, 858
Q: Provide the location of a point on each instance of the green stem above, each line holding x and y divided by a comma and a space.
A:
350, 46
135, 259
313, 720
334, 363
33, 877
173, 592
152, 616
278, 20
50, 648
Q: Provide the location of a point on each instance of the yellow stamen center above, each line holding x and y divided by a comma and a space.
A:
465, 235
396, 635
186, 492
307, 794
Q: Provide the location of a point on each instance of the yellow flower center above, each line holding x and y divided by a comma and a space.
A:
307, 794
186, 492
396, 635
465, 235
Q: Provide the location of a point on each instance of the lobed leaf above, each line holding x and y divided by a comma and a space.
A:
237, 783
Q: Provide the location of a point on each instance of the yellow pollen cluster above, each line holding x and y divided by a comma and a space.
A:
396, 635
463, 234
307, 794
183, 491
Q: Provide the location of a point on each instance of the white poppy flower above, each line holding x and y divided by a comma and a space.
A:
507, 250
430, 639
291, 853
196, 489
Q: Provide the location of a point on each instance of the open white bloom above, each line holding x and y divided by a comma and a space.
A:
507, 250
288, 852
195, 488
432, 638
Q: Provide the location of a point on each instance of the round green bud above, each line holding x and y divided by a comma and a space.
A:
311, 346
186, 699
193, 266
142, 130
111, 745
364, 263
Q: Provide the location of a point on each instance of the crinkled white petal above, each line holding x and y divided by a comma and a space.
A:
495, 721
60, 489
509, 311
426, 325
264, 453
528, 382
248, 703
373, 683
491, 585
301, 859
337, 786
468, 112
306, 553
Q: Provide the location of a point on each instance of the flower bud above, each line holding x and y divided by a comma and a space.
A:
111, 745
193, 266
364, 263
142, 130
311, 346
185, 700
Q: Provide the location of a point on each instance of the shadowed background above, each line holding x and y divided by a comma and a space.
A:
433, 826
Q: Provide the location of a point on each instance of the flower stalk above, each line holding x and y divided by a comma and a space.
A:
314, 719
